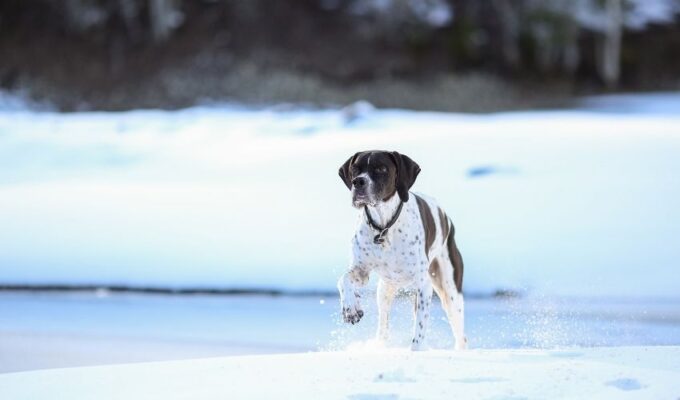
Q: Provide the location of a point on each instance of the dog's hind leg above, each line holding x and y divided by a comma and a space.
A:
386, 293
441, 274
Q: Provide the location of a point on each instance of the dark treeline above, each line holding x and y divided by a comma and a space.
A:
117, 54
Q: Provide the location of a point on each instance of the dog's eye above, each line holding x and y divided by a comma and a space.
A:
381, 170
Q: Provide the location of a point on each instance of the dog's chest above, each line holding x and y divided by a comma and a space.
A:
401, 259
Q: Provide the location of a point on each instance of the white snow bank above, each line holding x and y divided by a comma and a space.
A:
579, 373
564, 202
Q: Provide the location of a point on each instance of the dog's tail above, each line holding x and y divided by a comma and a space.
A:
455, 257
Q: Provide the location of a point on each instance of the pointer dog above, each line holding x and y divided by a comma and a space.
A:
406, 238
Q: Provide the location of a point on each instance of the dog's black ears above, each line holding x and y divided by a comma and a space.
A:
407, 171
345, 173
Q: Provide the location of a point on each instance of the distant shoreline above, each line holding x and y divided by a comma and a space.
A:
189, 291
166, 290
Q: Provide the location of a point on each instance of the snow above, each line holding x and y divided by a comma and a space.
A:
647, 12
19, 101
595, 373
575, 208
638, 14
660, 104
576, 202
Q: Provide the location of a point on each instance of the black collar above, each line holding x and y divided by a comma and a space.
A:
379, 238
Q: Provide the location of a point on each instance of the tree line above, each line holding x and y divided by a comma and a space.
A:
569, 38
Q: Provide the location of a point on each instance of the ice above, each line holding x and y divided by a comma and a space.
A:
76, 329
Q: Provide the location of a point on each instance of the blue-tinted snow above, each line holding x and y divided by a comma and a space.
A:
226, 196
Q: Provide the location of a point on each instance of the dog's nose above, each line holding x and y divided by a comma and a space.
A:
359, 182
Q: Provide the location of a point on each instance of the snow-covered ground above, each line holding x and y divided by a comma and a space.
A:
574, 202
578, 209
604, 373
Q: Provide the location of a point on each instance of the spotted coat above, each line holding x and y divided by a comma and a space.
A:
419, 254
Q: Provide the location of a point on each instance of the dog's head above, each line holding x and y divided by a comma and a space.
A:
374, 176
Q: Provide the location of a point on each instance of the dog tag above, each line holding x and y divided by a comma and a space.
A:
379, 239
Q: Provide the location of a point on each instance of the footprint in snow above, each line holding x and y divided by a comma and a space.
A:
486, 170
626, 384
393, 376
481, 379
565, 354
368, 396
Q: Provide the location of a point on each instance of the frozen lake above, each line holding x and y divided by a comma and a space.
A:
48, 330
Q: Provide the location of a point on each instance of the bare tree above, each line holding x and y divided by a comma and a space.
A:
510, 23
165, 16
609, 47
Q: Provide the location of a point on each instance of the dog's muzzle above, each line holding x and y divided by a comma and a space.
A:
360, 192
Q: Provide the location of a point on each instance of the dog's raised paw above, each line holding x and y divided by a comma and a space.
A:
352, 315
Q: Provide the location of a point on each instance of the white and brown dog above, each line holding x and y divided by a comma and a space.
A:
406, 238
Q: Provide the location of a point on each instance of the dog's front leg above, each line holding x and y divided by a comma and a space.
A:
348, 285
422, 314
385, 295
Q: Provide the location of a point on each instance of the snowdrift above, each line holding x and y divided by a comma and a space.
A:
594, 373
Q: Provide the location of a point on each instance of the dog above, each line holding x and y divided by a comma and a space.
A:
407, 239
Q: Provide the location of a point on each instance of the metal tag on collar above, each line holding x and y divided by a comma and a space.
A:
379, 239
